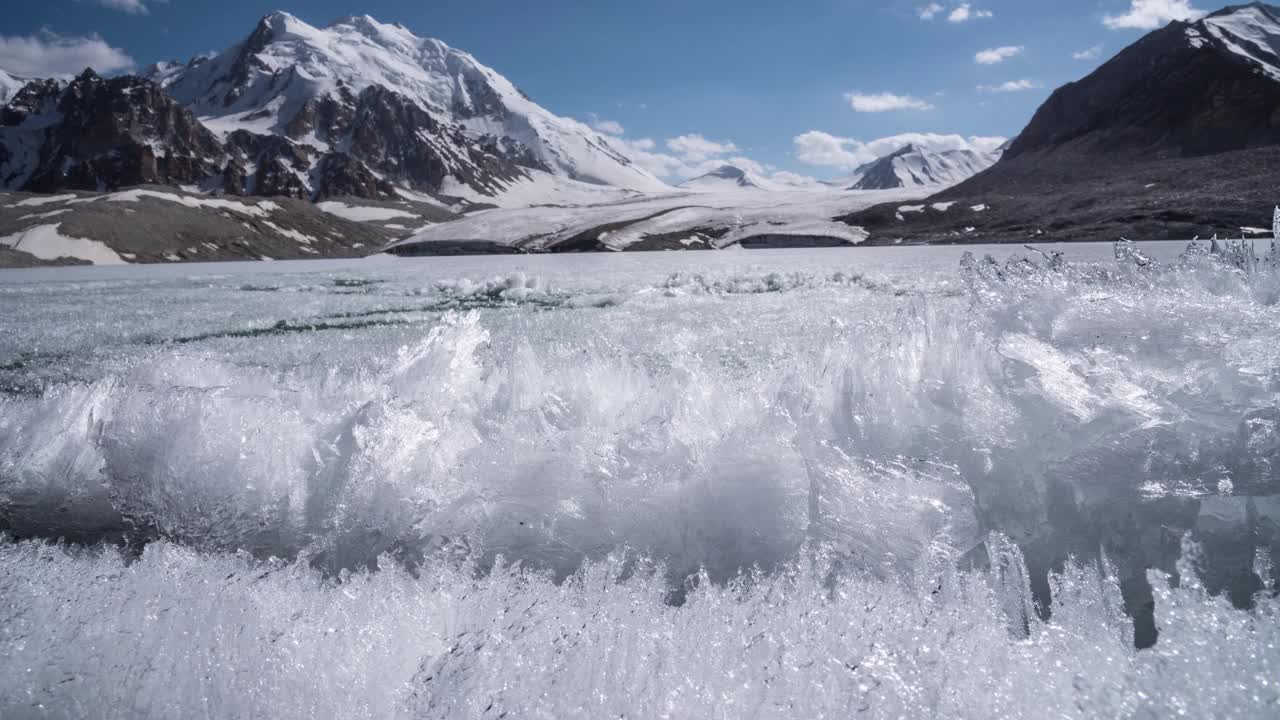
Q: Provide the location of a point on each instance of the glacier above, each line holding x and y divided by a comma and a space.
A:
927, 482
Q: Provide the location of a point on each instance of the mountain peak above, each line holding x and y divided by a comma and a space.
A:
1233, 9
918, 165
726, 177
1167, 92
292, 79
729, 171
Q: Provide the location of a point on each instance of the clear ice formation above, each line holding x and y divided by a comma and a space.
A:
580, 489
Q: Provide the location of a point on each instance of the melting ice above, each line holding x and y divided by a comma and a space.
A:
898, 482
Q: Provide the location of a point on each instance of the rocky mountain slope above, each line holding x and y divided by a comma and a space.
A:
158, 224
1176, 136
97, 134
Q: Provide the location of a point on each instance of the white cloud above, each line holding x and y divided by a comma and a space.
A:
964, 12
745, 163
608, 127
826, 150
695, 148
1010, 86
693, 155
885, 102
795, 180
998, 55
930, 11
1151, 14
132, 7
49, 55
1092, 53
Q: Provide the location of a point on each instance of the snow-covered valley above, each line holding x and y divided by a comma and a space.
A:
898, 481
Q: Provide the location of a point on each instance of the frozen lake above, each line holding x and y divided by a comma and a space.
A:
883, 482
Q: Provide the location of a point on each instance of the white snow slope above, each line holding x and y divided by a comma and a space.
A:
1252, 31
9, 86
921, 166
260, 85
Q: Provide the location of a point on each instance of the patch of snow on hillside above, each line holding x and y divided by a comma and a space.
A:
259, 210
45, 215
46, 243
359, 213
290, 233
49, 200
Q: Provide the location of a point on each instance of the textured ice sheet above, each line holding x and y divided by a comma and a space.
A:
180, 634
889, 407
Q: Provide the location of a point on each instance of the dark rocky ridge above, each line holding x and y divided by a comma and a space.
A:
97, 134
100, 134
1168, 140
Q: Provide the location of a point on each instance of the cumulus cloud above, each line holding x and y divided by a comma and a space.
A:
998, 55
132, 7
47, 54
695, 148
930, 11
1010, 86
692, 155
795, 180
885, 102
1092, 53
826, 150
964, 12
1151, 14
689, 156
608, 127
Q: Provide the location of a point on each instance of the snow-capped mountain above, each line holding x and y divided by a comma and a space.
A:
358, 108
918, 166
728, 177
1250, 31
9, 86
413, 110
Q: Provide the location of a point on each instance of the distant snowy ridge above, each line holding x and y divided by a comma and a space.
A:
920, 166
728, 177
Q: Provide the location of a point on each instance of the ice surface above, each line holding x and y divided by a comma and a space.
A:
733, 216
846, 427
181, 634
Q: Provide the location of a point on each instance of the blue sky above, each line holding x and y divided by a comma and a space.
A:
775, 82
